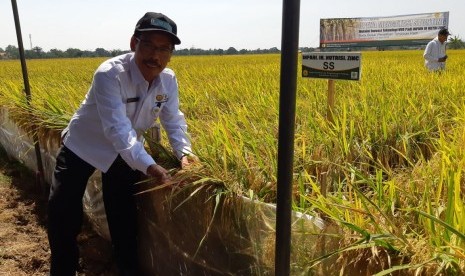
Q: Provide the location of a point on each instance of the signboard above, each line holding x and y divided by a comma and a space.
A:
336, 65
401, 30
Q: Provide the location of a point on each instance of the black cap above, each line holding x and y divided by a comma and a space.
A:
443, 31
153, 21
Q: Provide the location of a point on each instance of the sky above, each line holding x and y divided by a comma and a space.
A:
205, 24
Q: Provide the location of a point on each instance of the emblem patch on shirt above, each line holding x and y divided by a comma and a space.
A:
155, 110
160, 98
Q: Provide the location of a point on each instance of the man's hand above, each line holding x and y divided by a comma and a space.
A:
159, 173
443, 59
187, 160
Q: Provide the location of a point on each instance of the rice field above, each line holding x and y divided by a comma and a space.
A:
388, 170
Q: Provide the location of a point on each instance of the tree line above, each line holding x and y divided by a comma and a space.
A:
12, 52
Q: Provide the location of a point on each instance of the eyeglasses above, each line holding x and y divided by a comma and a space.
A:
147, 47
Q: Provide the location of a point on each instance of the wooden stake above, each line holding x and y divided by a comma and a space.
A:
331, 96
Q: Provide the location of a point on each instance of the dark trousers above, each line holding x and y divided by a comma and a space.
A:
65, 212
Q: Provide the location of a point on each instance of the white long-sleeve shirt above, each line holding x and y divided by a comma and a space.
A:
433, 52
118, 108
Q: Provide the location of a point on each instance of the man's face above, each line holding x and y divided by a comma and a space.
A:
442, 38
152, 53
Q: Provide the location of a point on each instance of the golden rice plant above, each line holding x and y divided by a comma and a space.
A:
387, 171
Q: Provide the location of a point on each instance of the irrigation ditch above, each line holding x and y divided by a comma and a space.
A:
196, 230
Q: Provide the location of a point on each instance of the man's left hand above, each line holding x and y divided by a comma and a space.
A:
187, 160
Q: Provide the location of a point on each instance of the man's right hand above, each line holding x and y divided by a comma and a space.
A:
158, 172
443, 59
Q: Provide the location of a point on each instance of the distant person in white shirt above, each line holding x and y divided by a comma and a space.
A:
435, 52
127, 95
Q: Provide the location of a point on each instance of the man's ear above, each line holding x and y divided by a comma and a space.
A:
133, 43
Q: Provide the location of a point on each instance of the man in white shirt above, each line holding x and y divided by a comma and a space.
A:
128, 93
435, 52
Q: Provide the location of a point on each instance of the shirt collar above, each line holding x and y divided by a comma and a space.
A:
136, 75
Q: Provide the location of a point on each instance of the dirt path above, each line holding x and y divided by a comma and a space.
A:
24, 249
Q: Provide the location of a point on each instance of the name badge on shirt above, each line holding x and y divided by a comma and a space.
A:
132, 100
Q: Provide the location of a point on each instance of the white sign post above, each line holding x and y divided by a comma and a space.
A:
332, 66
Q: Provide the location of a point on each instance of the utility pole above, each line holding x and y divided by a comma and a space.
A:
40, 167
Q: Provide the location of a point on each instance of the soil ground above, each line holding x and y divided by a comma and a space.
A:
24, 249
